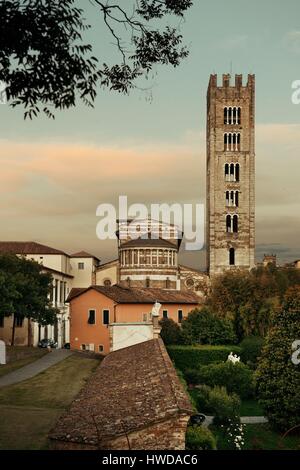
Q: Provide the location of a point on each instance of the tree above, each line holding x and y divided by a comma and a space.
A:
45, 62
250, 298
170, 331
202, 327
24, 291
278, 378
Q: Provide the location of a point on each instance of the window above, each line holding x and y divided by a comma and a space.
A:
168, 283
128, 281
107, 282
235, 224
237, 172
1, 321
101, 348
232, 223
147, 282
19, 319
180, 316
232, 257
232, 141
232, 115
232, 172
92, 317
80, 265
105, 317
232, 198
228, 223
165, 314
85, 347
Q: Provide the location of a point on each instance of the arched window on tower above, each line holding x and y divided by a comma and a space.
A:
228, 224
232, 173
235, 224
225, 116
237, 172
231, 256
227, 198
229, 115
239, 116
226, 172
236, 201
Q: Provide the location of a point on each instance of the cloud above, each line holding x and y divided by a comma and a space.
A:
49, 191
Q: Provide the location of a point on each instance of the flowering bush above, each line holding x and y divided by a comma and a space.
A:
234, 434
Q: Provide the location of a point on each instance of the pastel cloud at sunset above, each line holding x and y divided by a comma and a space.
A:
52, 189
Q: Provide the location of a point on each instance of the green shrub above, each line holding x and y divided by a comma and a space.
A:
251, 350
192, 357
170, 331
199, 438
203, 327
225, 407
278, 378
237, 378
201, 398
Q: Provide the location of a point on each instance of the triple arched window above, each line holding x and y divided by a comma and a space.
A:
232, 172
232, 198
232, 115
232, 223
232, 141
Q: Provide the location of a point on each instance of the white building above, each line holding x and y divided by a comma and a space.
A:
68, 271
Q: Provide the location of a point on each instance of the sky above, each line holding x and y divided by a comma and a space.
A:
54, 174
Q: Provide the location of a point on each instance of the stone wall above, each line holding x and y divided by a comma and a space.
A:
218, 241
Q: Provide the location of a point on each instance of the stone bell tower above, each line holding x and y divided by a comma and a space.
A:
230, 186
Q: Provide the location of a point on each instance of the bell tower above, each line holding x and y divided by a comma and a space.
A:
230, 185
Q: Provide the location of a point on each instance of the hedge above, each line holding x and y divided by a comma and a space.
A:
191, 357
200, 438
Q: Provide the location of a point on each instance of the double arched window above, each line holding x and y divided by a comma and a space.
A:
232, 198
232, 172
232, 115
232, 223
232, 141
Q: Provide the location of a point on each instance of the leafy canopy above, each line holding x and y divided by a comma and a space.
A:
46, 63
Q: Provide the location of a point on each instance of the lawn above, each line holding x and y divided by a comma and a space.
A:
20, 356
251, 408
260, 437
29, 409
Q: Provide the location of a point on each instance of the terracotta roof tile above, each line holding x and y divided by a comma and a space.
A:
133, 388
83, 254
31, 248
139, 295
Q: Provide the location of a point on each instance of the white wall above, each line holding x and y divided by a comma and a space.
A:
124, 335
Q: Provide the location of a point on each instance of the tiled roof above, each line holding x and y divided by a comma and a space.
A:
139, 295
132, 389
83, 254
149, 242
30, 248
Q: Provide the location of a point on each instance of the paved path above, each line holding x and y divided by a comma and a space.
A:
244, 420
26, 372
